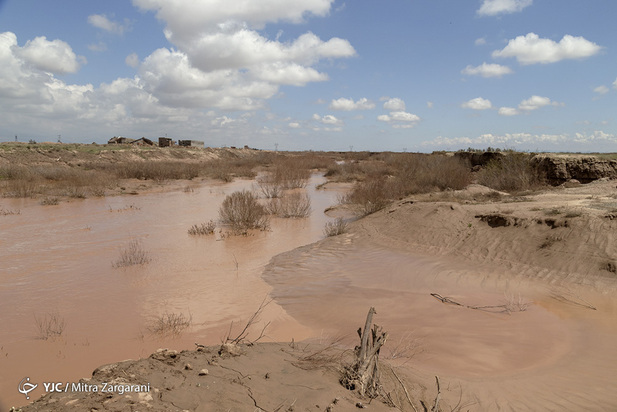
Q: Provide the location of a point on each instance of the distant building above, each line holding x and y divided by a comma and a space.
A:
143, 142
191, 143
120, 140
166, 142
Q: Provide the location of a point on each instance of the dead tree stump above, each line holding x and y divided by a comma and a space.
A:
363, 374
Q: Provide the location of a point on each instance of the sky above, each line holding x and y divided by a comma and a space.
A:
396, 75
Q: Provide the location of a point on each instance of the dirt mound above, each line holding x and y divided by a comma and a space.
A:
266, 377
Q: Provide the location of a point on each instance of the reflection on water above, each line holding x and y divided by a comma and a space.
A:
58, 259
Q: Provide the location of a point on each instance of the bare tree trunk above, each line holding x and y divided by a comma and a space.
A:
363, 374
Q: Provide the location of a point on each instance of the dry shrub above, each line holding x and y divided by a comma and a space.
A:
203, 229
170, 324
515, 172
297, 205
242, 211
7, 212
50, 201
335, 228
155, 170
269, 187
371, 195
290, 174
133, 254
417, 173
515, 303
60, 180
49, 326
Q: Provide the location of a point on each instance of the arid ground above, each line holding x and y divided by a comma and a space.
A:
507, 296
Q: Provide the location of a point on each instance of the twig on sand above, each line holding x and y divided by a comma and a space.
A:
573, 300
252, 320
514, 306
404, 388
436, 405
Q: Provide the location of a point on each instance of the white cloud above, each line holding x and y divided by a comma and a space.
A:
480, 41
477, 104
222, 121
400, 119
327, 119
232, 64
536, 102
487, 70
169, 76
508, 111
287, 73
429, 105
294, 125
185, 19
394, 104
615, 84
54, 56
494, 7
102, 22
601, 89
98, 47
578, 140
132, 60
349, 104
531, 49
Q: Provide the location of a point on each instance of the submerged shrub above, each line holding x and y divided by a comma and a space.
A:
203, 229
133, 254
335, 228
242, 211
296, 205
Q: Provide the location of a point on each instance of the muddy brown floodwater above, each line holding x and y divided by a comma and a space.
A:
58, 260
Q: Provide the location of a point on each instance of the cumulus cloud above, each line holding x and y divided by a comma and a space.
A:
601, 89
508, 111
185, 19
536, 102
101, 21
327, 119
294, 125
394, 104
528, 105
477, 104
531, 49
54, 56
132, 60
480, 41
400, 119
577, 140
615, 84
349, 104
487, 70
495, 7
220, 48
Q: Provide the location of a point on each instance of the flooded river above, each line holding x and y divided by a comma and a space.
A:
57, 260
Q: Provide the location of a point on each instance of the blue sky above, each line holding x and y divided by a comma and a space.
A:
415, 75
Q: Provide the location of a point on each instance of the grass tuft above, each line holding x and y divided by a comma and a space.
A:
335, 228
133, 254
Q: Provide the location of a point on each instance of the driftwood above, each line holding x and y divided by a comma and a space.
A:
363, 374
